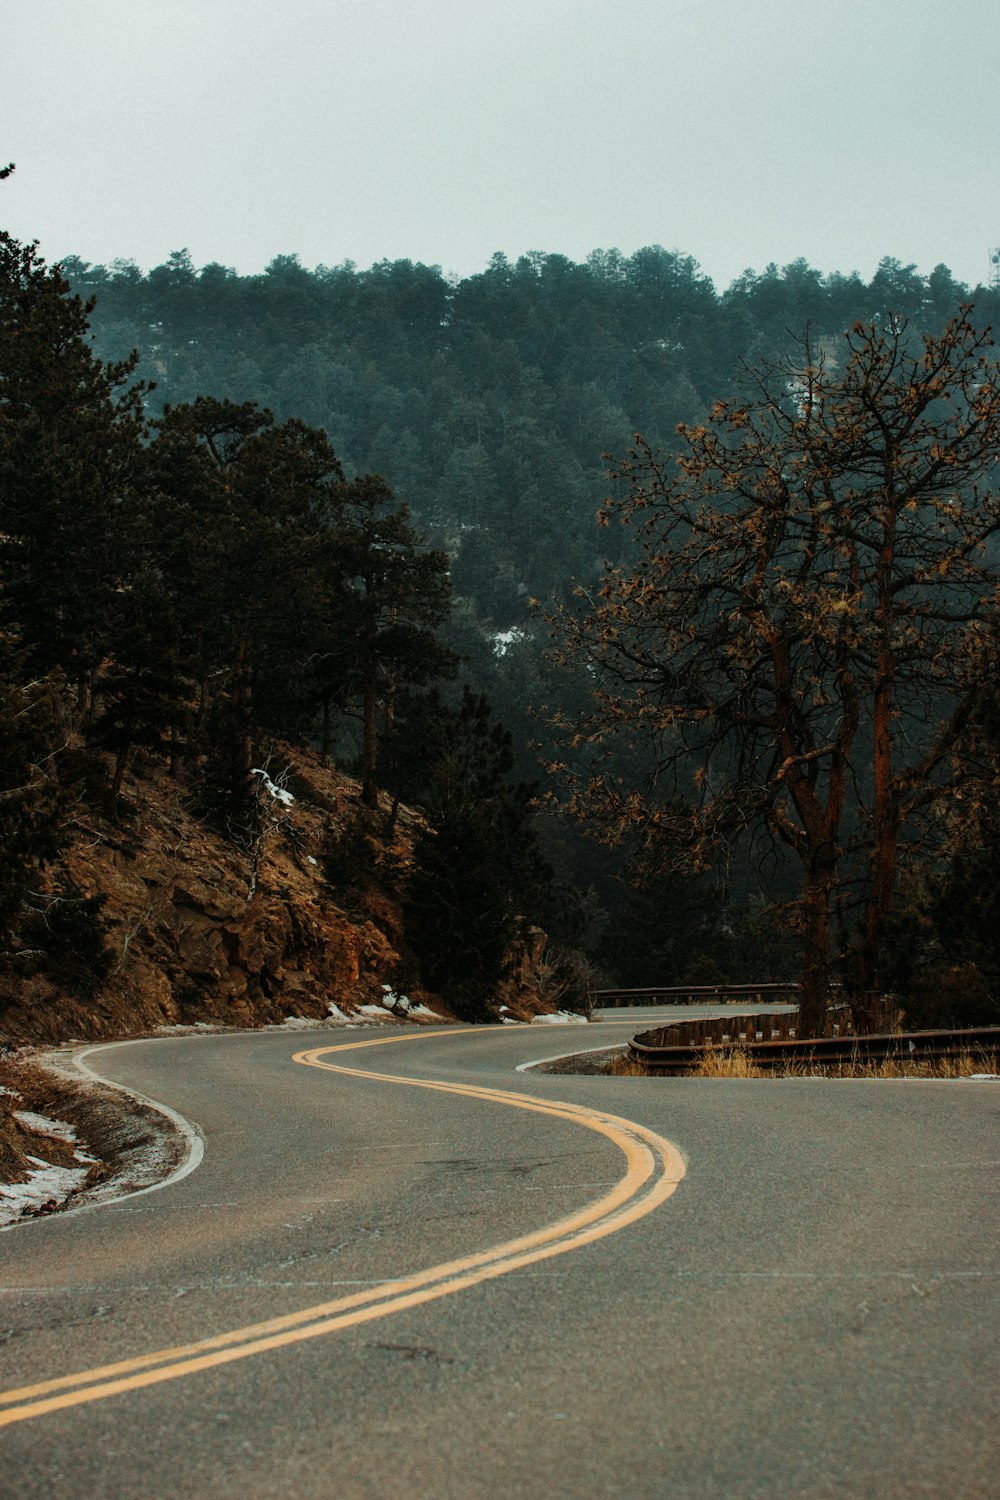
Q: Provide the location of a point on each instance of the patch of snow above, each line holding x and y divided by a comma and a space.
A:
981, 1077
561, 1018
311, 860
504, 639
334, 1011
393, 1001
186, 1029
45, 1185
278, 793
373, 1010
44, 1126
422, 1010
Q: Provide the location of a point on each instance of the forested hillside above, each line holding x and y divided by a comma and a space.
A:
335, 508
487, 403
496, 406
187, 606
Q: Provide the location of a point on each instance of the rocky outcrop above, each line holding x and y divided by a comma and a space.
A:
200, 928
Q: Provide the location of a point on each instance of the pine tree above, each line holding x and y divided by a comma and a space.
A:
400, 594
248, 505
32, 802
477, 866
70, 427
799, 645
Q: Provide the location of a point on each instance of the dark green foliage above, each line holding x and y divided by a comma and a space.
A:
297, 595
69, 450
667, 923
227, 583
477, 867
488, 402
248, 506
222, 790
965, 910
398, 595
940, 956
45, 927
33, 804
142, 694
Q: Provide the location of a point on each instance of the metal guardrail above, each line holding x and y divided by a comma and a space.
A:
688, 994
661, 1050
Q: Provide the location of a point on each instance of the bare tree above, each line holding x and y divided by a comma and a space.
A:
802, 637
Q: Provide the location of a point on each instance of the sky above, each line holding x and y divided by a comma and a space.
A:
739, 132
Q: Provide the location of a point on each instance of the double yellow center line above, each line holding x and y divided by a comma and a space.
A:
653, 1169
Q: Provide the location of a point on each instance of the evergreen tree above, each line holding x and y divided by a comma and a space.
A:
477, 867
69, 451
400, 595
253, 505
32, 802
799, 647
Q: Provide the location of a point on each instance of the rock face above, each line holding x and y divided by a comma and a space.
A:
202, 929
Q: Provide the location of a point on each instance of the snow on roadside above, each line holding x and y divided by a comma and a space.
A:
42, 1125
46, 1184
186, 1028
561, 1018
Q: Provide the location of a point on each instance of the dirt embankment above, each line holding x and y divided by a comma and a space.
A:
300, 920
61, 1138
203, 928
197, 928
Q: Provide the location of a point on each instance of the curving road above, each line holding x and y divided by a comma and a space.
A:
387, 1277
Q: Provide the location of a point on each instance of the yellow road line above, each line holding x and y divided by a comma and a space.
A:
654, 1167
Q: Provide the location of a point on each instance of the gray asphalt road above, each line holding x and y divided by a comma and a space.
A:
813, 1313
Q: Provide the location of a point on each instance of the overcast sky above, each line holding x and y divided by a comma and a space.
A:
739, 132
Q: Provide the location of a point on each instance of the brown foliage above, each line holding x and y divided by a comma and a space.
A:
807, 628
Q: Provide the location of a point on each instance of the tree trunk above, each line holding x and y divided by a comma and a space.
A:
815, 988
240, 695
121, 761
324, 735
390, 824
868, 1006
369, 712
369, 741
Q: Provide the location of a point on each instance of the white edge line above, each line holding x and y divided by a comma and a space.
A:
192, 1134
560, 1056
581, 1051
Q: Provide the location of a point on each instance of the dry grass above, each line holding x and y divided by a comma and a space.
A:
736, 1062
624, 1066
725, 1062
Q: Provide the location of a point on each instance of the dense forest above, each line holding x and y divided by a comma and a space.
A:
487, 404
345, 506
